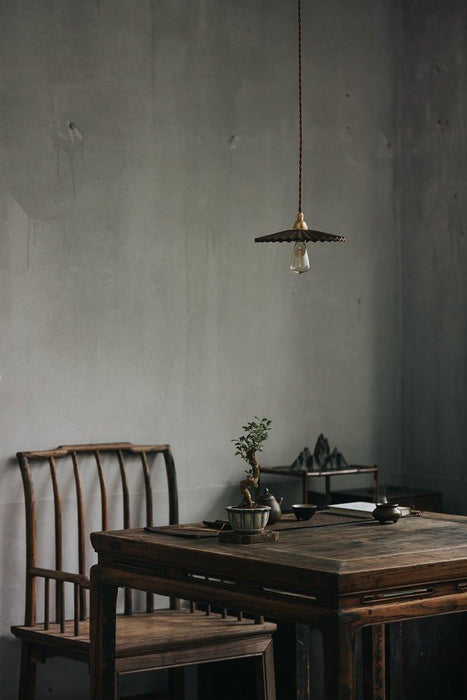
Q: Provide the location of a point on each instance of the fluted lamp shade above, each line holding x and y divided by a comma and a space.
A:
294, 235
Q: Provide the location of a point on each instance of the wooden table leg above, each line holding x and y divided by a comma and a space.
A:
102, 634
295, 645
339, 652
176, 683
374, 662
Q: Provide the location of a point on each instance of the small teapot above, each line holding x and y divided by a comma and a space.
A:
267, 499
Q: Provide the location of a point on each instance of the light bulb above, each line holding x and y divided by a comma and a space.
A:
299, 262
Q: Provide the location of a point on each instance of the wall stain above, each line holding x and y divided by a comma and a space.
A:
33, 224
28, 258
68, 139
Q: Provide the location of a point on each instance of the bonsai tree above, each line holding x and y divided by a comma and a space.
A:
247, 445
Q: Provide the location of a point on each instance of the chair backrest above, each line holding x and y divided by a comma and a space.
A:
121, 456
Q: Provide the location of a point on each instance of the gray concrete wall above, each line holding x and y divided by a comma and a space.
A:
133, 302
433, 218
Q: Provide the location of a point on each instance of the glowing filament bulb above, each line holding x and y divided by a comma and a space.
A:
299, 262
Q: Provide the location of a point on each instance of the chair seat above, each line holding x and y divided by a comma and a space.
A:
161, 630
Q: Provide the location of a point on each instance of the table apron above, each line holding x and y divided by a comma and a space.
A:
280, 605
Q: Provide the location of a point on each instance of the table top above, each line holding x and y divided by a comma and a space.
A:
340, 558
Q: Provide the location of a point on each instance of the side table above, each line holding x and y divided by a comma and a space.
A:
305, 477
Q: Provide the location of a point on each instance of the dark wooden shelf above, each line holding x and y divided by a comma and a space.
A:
326, 473
288, 471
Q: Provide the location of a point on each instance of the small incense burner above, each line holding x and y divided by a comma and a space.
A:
386, 513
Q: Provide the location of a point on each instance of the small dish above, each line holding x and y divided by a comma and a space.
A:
304, 511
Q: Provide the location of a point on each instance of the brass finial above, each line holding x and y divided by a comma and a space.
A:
301, 224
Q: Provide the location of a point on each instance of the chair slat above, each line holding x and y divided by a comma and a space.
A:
172, 485
81, 530
126, 495
31, 540
147, 487
173, 501
61, 616
104, 504
149, 515
46, 603
128, 602
76, 608
59, 602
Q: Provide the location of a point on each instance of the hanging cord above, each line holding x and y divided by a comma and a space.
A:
300, 107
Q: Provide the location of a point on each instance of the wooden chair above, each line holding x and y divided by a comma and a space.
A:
145, 641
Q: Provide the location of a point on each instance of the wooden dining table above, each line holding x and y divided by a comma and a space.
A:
336, 573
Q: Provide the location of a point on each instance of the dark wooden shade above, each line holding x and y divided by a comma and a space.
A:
295, 235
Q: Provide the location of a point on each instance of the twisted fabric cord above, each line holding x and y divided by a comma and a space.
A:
300, 107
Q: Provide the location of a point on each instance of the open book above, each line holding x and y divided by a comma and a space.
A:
361, 509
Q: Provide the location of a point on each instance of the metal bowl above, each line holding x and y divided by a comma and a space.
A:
304, 511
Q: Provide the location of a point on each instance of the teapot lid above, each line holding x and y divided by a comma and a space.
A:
265, 494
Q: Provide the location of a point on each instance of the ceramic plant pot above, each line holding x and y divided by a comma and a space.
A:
248, 520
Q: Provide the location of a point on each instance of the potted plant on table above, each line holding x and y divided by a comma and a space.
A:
248, 516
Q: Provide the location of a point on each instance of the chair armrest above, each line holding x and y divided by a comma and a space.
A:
80, 579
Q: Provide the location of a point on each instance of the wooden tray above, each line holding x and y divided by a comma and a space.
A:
191, 531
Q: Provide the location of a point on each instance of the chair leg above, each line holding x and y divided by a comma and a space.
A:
177, 683
27, 680
264, 669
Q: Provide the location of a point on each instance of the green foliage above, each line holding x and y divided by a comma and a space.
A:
254, 434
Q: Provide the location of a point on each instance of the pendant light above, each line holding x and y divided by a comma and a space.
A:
300, 234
